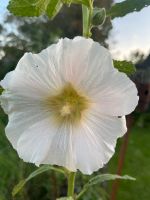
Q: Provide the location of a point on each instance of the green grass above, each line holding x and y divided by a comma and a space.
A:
137, 164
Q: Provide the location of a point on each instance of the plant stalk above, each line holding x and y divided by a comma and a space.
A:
71, 183
87, 19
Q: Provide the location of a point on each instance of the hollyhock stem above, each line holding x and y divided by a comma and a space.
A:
71, 182
87, 18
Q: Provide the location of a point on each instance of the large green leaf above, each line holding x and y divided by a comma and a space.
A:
101, 178
40, 170
53, 8
28, 8
31, 8
123, 8
125, 66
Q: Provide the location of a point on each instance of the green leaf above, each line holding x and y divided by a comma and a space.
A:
28, 8
123, 8
99, 16
53, 8
40, 170
106, 177
81, 2
101, 178
65, 198
32, 8
125, 66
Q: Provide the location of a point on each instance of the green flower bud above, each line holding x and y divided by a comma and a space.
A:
99, 16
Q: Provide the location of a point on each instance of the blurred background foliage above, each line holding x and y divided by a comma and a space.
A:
19, 35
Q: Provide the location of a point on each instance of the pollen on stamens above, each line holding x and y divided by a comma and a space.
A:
68, 105
66, 110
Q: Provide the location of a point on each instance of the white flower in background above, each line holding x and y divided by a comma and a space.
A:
63, 105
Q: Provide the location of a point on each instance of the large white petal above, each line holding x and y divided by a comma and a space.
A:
24, 107
94, 143
24, 88
22, 119
6, 82
80, 61
33, 145
84, 62
37, 78
97, 64
86, 148
45, 143
116, 96
38, 71
61, 148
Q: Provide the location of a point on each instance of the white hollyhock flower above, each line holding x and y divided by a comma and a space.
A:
63, 105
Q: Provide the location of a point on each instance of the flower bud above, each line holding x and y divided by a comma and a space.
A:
99, 16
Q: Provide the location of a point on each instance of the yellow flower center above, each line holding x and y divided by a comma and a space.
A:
68, 105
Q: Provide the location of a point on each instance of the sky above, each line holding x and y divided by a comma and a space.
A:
129, 33
3, 4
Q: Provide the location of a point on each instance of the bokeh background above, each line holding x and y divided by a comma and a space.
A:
128, 38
